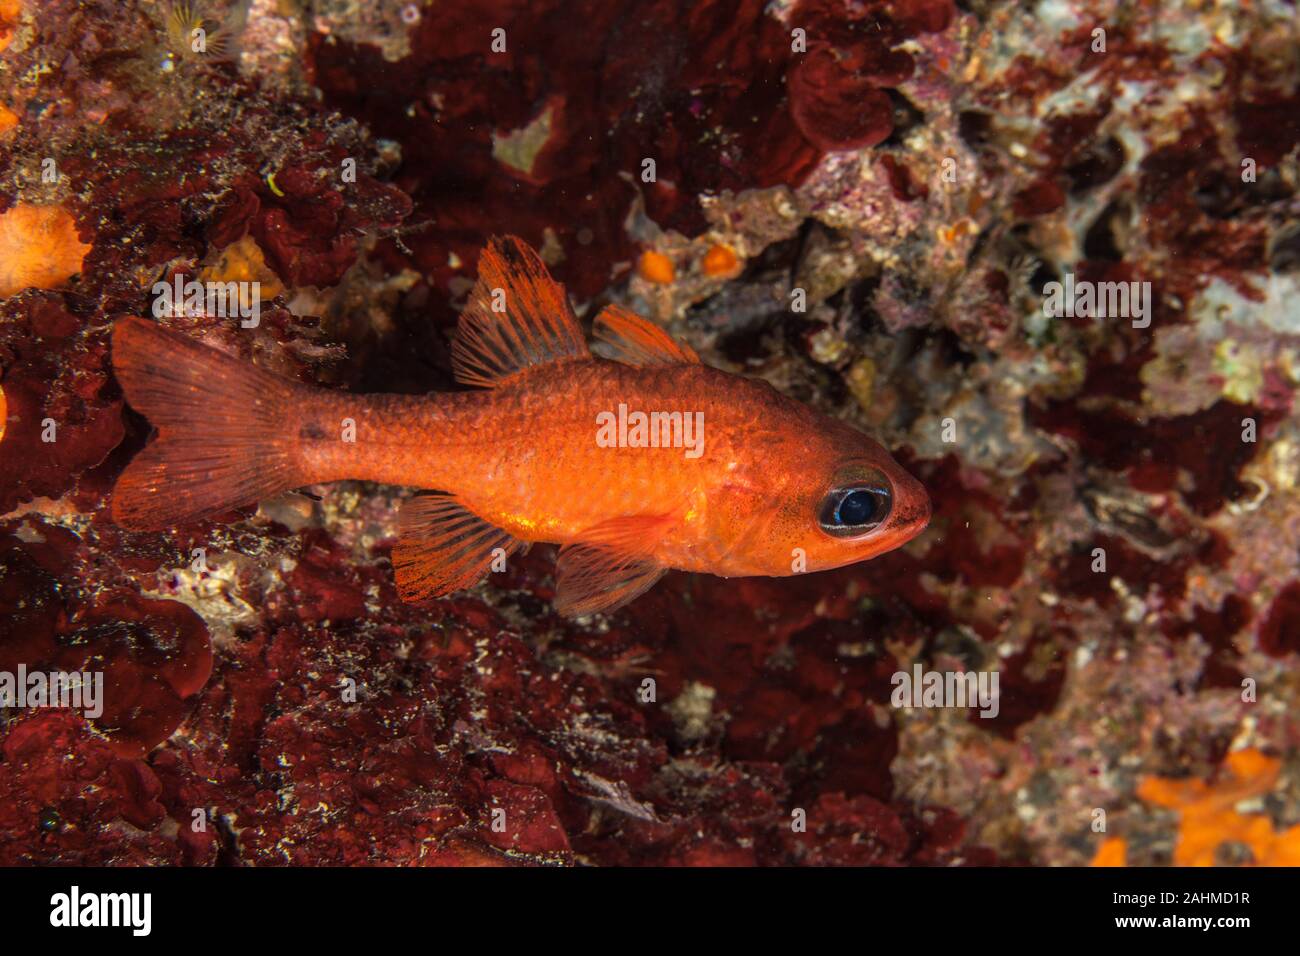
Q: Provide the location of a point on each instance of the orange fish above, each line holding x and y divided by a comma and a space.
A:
633, 466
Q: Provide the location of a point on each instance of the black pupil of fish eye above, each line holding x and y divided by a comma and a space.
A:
858, 507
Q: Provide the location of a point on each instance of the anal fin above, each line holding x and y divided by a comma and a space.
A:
444, 547
610, 566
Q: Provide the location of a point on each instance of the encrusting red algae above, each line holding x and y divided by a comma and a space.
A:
635, 466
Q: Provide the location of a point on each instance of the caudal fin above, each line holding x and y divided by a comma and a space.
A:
224, 437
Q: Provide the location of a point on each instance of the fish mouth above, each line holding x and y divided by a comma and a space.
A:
913, 521
912, 515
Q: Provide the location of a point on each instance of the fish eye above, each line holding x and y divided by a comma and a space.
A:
856, 509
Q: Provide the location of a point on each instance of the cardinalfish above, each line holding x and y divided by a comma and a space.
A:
777, 488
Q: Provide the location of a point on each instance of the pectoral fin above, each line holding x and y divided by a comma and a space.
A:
444, 547
613, 564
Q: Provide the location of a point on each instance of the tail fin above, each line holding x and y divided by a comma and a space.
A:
224, 435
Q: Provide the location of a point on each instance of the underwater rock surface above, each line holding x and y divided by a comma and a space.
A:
873, 206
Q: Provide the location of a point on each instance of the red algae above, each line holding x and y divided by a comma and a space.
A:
838, 89
1159, 454
56, 387
704, 129
1279, 634
153, 654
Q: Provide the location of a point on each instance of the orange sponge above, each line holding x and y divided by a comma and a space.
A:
39, 248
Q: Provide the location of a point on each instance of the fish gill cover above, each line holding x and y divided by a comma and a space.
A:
1048, 254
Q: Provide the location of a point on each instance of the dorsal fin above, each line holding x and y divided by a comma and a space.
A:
517, 316
638, 341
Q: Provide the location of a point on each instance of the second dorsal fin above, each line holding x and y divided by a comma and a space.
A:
517, 316
634, 340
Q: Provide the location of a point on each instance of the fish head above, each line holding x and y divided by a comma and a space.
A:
839, 497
